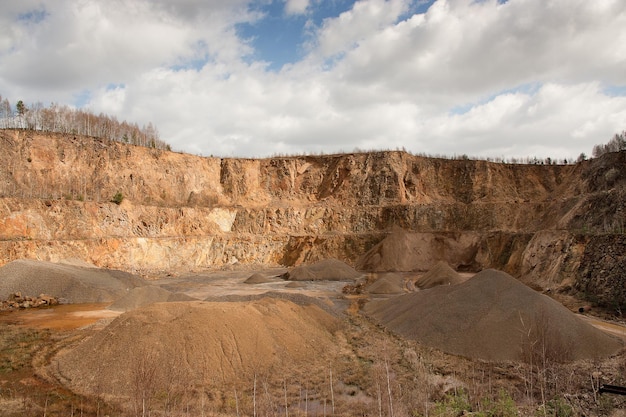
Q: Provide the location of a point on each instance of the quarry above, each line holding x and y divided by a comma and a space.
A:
374, 283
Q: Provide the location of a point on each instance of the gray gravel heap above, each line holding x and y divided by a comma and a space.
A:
70, 283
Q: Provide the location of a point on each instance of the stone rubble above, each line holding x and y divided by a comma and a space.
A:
17, 301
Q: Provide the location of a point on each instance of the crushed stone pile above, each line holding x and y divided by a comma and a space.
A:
387, 284
326, 270
196, 343
68, 283
440, 274
149, 294
492, 316
257, 278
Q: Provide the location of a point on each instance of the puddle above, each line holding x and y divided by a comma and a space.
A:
63, 317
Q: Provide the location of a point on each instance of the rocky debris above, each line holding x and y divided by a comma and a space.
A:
602, 273
17, 301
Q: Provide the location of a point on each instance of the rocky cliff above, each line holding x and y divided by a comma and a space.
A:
546, 224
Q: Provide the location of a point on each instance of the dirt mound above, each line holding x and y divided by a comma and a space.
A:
257, 278
326, 270
69, 283
492, 316
197, 342
296, 298
387, 284
403, 251
149, 294
296, 284
440, 274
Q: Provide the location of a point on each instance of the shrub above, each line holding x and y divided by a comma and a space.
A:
117, 198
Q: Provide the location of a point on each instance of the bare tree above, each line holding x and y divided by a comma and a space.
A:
144, 380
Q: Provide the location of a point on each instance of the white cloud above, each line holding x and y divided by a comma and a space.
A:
338, 35
296, 6
525, 77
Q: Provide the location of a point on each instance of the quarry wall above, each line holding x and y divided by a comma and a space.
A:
545, 224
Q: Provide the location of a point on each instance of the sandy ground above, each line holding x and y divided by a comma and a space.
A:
223, 283
613, 328
200, 286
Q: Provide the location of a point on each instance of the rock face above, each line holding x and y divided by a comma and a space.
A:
182, 212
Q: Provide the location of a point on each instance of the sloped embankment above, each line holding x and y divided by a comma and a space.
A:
69, 283
492, 316
187, 343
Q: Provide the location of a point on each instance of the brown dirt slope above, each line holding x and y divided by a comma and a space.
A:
149, 294
492, 316
440, 274
403, 251
199, 342
326, 270
71, 284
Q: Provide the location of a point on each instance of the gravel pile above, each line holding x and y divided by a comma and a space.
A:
68, 283
440, 274
326, 270
492, 316
387, 284
257, 278
189, 343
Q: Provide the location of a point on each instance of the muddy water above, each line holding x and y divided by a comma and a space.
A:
63, 317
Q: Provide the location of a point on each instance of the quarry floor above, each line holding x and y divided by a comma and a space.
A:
223, 283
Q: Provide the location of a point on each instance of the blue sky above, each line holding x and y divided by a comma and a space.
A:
281, 37
257, 78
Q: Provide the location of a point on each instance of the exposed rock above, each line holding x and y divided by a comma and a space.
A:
184, 212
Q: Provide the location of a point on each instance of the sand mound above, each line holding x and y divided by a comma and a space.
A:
149, 294
198, 342
403, 251
326, 270
257, 279
440, 274
387, 284
492, 316
296, 284
70, 283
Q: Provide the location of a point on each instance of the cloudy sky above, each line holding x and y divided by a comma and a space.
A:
263, 77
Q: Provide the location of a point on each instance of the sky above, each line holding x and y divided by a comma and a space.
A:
258, 78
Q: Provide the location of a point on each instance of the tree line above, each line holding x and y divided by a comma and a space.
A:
64, 119
616, 144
